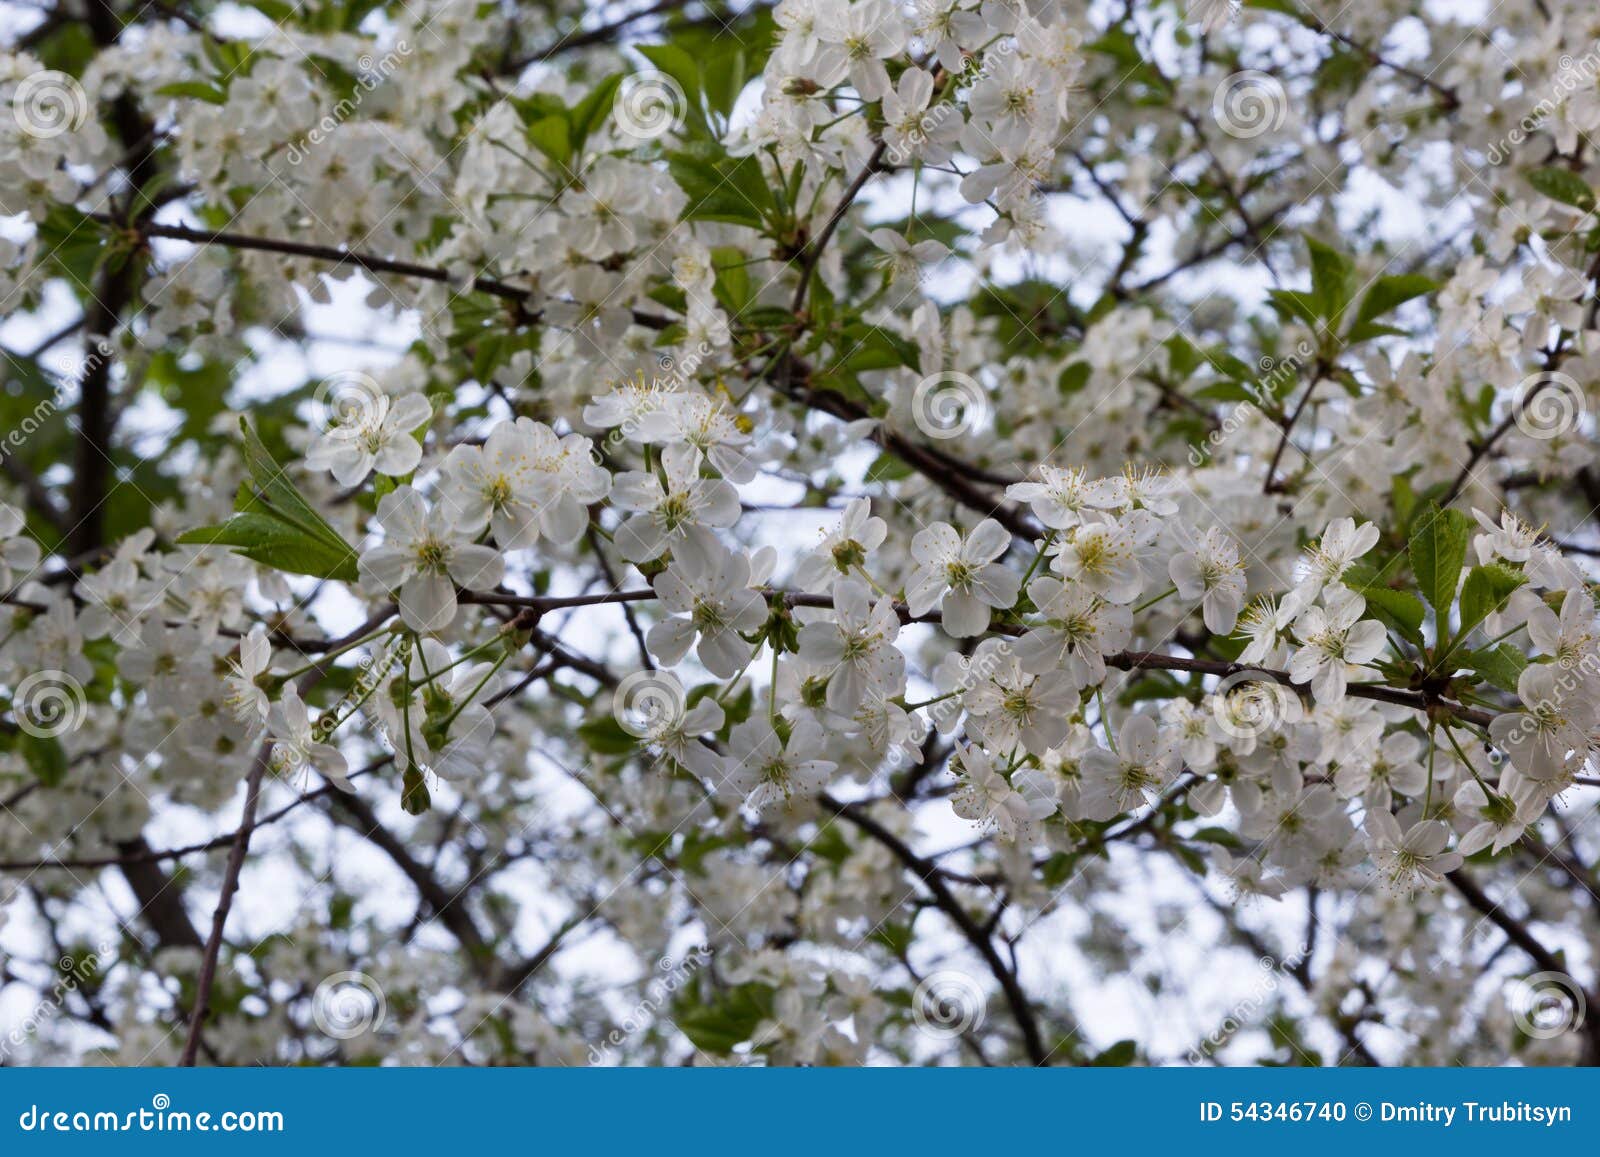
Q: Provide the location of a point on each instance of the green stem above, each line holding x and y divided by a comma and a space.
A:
1168, 593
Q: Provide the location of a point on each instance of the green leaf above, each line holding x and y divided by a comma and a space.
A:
871, 348
732, 288
1332, 280
1119, 1055
552, 136
1486, 590
1391, 292
1073, 378
45, 757
1404, 610
1563, 185
605, 736
1437, 549
888, 468
271, 542
720, 188
1501, 665
687, 71
195, 90
274, 524
729, 1020
1367, 330
1225, 392
594, 108
1296, 305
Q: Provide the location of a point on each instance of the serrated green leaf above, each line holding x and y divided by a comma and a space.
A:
1437, 549
274, 525
1501, 665
1405, 610
719, 188
1486, 590
282, 549
1296, 305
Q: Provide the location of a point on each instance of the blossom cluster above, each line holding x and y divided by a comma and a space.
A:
812, 431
